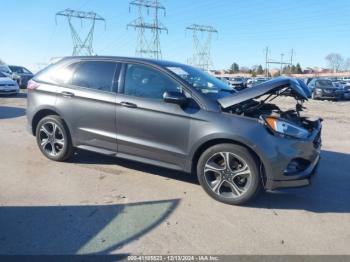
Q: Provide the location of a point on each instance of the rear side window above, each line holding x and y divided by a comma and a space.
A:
98, 75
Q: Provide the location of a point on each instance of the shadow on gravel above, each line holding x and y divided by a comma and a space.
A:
85, 157
7, 112
100, 229
328, 193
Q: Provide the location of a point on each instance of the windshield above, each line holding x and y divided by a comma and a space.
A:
324, 83
20, 70
5, 69
238, 79
203, 82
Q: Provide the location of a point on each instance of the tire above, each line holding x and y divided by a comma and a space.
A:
313, 96
220, 182
55, 145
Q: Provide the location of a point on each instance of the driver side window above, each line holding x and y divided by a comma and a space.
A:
145, 82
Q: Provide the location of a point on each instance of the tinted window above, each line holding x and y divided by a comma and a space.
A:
20, 70
97, 75
142, 81
324, 83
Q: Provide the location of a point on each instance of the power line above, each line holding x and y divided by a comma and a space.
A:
201, 45
148, 45
81, 46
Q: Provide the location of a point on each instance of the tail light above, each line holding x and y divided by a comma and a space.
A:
32, 85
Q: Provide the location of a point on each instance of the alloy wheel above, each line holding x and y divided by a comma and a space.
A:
51, 138
227, 175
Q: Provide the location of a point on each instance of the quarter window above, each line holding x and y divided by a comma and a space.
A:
142, 81
98, 75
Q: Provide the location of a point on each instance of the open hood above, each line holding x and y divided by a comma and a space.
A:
298, 89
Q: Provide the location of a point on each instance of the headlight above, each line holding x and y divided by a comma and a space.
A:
318, 90
286, 128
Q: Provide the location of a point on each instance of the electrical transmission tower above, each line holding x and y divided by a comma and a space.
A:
202, 37
148, 37
81, 45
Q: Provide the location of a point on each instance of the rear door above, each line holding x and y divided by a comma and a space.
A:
87, 103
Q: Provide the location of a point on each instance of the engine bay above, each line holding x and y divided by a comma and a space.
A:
255, 108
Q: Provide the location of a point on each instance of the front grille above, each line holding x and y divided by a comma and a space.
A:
7, 84
328, 91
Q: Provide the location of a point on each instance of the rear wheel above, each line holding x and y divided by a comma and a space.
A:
53, 138
229, 174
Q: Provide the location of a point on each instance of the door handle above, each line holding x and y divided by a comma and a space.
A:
67, 94
128, 104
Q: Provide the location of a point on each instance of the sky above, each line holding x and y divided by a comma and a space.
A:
30, 36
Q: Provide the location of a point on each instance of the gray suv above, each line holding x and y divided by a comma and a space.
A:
176, 116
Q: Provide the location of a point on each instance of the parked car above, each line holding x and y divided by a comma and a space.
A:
23, 75
324, 89
6, 70
238, 83
307, 80
224, 79
346, 88
7, 85
255, 81
175, 116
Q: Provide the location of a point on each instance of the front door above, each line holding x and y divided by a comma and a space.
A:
147, 127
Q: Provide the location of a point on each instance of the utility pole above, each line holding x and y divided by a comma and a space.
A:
148, 46
281, 63
202, 45
81, 45
291, 60
267, 61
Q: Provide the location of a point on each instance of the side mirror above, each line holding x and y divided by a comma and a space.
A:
175, 98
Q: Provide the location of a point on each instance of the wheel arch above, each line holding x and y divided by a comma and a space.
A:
40, 115
212, 142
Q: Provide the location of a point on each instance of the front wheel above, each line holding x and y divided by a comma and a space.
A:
313, 96
229, 173
53, 138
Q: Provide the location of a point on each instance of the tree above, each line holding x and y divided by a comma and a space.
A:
335, 61
260, 70
298, 69
347, 64
244, 69
286, 70
234, 68
294, 69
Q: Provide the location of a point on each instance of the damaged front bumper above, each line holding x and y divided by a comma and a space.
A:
293, 162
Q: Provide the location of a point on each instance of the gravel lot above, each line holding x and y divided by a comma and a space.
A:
98, 204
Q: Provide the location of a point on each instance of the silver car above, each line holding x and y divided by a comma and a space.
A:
7, 85
175, 116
